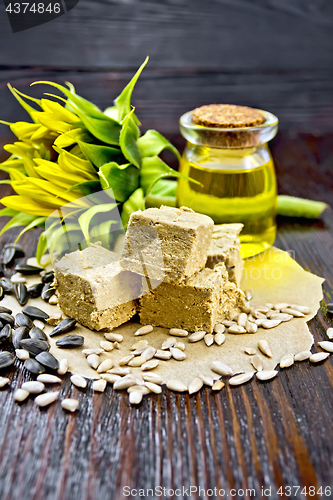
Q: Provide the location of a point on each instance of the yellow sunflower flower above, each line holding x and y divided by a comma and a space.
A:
70, 152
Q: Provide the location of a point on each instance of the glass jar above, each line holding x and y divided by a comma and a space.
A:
235, 176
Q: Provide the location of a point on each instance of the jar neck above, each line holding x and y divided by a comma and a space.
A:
229, 138
239, 159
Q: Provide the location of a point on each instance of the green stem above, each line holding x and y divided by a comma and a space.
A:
300, 207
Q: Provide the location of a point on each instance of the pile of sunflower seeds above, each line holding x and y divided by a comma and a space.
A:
17, 285
25, 333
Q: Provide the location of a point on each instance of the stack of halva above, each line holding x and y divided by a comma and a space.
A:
175, 269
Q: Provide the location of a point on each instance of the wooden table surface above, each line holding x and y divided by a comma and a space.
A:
260, 435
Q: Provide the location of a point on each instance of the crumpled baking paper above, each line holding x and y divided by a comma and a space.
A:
273, 276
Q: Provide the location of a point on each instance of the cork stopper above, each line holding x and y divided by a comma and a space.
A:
227, 116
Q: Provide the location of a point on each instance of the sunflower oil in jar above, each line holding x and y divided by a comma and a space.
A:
232, 171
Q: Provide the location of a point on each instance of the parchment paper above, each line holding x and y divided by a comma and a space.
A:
273, 276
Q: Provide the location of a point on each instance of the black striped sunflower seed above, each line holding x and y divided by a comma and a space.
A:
37, 333
27, 269
19, 334
66, 325
48, 291
6, 334
19, 252
6, 359
35, 313
7, 318
7, 285
70, 341
48, 360
23, 320
21, 293
5, 310
35, 290
2, 292
33, 366
8, 255
48, 277
34, 346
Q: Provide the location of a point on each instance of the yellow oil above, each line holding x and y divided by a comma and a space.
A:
235, 186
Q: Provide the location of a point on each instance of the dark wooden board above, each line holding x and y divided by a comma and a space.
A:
258, 435
238, 34
277, 55
302, 99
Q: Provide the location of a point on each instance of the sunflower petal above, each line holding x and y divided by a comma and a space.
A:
16, 175
23, 130
26, 205
54, 173
42, 133
60, 112
51, 123
71, 137
72, 162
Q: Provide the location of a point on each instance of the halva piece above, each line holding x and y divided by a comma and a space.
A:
166, 244
225, 247
198, 303
95, 290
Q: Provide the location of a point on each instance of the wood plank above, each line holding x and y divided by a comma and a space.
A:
238, 34
302, 100
258, 435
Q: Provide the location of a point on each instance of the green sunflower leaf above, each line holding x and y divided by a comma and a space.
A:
8, 212
86, 188
123, 179
123, 101
152, 143
105, 130
162, 193
99, 155
19, 219
85, 219
128, 141
135, 202
41, 247
38, 222
57, 231
153, 169
102, 232
29, 109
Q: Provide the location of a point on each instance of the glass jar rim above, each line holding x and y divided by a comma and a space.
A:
233, 137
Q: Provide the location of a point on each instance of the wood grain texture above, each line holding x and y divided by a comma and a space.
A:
277, 55
273, 54
257, 435
228, 34
302, 99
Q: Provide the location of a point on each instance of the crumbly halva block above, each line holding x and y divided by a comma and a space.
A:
167, 244
225, 247
198, 303
95, 290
